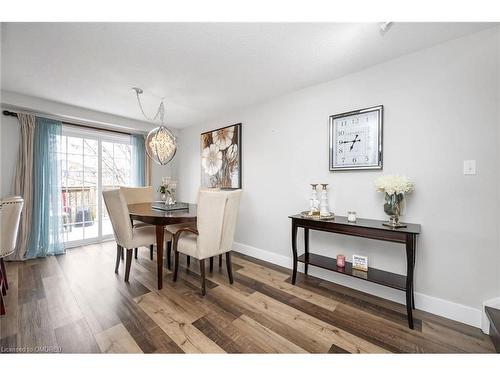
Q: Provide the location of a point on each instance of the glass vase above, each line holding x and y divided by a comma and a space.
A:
393, 206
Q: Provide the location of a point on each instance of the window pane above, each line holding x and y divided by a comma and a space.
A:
75, 145
107, 150
90, 147
90, 163
122, 151
75, 179
75, 162
107, 177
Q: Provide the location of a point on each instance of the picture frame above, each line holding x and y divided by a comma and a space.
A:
360, 262
356, 140
220, 151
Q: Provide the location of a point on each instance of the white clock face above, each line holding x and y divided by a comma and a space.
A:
355, 141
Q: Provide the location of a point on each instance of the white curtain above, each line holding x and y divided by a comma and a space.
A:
23, 182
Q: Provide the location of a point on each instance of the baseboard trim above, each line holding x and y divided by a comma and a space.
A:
451, 310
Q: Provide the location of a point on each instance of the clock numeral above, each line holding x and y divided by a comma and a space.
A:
340, 151
341, 133
354, 160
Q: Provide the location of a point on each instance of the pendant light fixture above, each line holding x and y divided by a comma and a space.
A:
160, 143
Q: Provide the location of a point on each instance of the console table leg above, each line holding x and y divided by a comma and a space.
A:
410, 250
306, 247
294, 251
412, 298
414, 261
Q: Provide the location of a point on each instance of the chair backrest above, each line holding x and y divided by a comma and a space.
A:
134, 195
9, 223
119, 216
217, 215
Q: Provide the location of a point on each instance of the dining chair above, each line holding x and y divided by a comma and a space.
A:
127, 236
135, 195
10, 215
217, 214
173, 228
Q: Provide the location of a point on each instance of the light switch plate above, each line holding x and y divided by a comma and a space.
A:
469, 167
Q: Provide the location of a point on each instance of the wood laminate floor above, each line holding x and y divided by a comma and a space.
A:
75, 303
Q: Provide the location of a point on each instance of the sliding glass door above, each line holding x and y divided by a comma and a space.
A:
91, 162
115, 161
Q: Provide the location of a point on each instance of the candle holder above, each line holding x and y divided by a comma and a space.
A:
314, 201
324, 210
341, 261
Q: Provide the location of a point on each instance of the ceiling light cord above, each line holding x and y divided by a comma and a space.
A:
160, 113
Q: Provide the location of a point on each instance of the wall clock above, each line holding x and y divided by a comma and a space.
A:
356, 139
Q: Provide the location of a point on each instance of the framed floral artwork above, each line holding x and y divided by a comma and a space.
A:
221, 158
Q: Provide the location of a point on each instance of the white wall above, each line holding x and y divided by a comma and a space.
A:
441, 108
9, 133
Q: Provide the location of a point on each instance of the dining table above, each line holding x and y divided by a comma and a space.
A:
160, 215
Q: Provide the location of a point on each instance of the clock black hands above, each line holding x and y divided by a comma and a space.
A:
354, 141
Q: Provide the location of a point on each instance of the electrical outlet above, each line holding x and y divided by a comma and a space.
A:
469, 167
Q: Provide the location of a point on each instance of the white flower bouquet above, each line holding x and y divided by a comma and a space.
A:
395, 188
393, 184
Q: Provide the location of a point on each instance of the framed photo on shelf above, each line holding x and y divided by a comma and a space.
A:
360, 263
356, 139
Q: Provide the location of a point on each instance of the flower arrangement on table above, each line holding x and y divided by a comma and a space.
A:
167, 189
394, 187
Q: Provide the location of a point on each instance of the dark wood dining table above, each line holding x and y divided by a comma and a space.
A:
146, 213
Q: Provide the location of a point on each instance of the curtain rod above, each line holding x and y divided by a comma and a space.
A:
14, 114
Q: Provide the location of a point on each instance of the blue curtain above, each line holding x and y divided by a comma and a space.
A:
138, 161
46, 225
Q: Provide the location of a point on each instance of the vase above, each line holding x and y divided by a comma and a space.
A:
393, 206
169, 201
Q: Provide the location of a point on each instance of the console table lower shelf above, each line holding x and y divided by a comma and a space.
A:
366, 228
389, 279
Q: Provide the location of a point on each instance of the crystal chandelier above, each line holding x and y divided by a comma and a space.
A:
160, 142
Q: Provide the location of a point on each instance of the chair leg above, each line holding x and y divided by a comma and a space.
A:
220, 260
119, 254
151, 252
169, 252
188, 261
3, 289
136, 250
2, 306
4, 273
176, 264
211, 264
229, 267
122, 255
128, 263
202, 273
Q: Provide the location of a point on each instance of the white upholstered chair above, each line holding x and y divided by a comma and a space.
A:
10, 215
135, 195
217, 214
126, 235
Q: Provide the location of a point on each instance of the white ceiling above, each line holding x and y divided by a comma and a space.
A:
202, 69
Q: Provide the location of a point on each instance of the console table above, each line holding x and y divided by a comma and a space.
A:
366, 228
